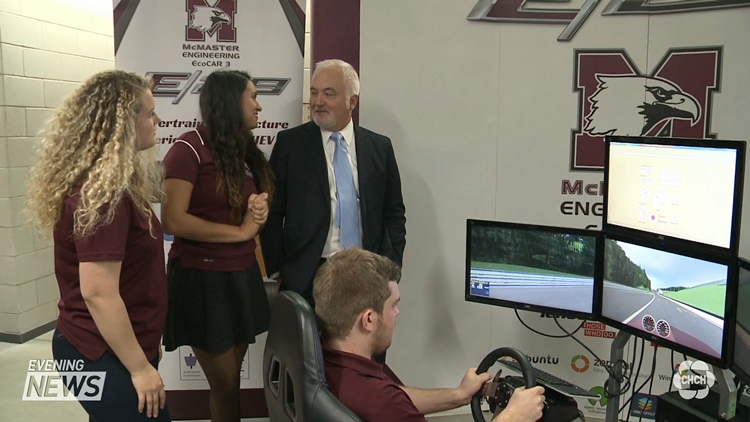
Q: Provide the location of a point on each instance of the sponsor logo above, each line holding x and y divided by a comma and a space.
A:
693, 379
580, 364
643, 406
573, 14
214, 19
596, 406
602, 396
597, 329
62, 380
664, 377
616, 98
556, 316
547, 360
600, 363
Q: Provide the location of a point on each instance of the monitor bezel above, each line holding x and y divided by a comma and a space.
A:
727, 348
739, 372
677, 242
598, 269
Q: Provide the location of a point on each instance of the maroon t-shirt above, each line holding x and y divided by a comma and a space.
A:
362, 386
190, 159
143, 280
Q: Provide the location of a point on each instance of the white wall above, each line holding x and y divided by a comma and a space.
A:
47, 47
421, 87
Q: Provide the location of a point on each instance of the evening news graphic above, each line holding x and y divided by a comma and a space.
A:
554, 270
678, 298
62, 380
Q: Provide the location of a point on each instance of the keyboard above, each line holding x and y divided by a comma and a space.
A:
547, 380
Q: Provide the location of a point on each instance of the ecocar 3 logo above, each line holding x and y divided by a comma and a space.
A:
178, 84
573, 14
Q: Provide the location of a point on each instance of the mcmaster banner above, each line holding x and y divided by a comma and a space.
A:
177, 43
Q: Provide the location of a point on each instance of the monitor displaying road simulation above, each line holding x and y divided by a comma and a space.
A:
741, 358
686, 192
537, 268
668, 297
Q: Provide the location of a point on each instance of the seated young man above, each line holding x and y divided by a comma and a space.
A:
356, 296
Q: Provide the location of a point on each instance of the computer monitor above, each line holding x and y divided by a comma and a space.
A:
534, 268
675, 299
741, 359
685, 189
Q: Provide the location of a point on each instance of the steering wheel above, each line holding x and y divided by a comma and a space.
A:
526, 369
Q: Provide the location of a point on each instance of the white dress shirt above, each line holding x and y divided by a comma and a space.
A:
333, 241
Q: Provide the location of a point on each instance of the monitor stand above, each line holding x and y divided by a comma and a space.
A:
616, 353
727, 390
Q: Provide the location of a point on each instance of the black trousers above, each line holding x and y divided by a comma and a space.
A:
119, 401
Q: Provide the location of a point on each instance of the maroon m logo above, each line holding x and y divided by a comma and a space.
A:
615, 98
215, 20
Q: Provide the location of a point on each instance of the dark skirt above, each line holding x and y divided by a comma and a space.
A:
214, 310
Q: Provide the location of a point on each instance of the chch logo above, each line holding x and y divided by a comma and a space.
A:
213, 18
693, 379
580, 363
602, 396
616, 98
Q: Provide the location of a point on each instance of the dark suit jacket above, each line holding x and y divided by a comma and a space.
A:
297, 227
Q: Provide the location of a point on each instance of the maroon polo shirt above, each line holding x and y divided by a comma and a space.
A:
143, 281
362, 386
190, 159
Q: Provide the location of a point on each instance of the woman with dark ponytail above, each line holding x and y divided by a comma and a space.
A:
218, 185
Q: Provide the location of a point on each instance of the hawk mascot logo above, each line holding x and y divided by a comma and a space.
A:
211, 18
615, 98
662, 100
206, 19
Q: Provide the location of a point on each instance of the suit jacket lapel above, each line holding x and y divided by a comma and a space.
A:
314, 145
364, 168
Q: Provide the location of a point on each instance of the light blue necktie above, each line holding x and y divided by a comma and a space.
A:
347, 210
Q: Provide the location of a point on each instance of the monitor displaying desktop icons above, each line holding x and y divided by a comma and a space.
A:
668, 297
667, 187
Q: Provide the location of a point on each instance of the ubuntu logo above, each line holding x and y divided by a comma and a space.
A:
580, 363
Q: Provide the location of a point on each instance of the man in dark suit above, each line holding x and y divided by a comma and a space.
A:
337, 186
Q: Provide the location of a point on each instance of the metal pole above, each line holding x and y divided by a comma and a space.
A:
616, 354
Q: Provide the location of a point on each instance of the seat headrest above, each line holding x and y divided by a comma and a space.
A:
294, 356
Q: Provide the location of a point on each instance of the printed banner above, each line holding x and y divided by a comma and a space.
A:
177, 43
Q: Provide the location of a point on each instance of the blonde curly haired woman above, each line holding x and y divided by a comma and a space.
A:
92, 187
